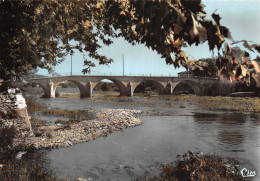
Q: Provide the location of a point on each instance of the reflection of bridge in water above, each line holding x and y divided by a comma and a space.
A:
127, 84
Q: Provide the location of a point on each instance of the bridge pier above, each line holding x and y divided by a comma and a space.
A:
169, 89
130, 90
49, 90
127, 90
89, 90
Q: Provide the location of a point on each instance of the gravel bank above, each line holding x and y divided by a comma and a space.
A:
59, 135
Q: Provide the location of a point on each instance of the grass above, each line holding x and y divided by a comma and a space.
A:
33, 106
241, 104
76, 115
36, 122
67, 95
99, 94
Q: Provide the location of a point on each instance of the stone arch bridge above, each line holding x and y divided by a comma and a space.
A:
127, 84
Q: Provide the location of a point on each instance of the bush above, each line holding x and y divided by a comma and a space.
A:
198, 167
33, 106
64, 85
105, 87
25, 169
7, 136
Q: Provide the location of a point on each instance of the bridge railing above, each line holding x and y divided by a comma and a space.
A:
108, 74
96, 73
194, 76
135, 75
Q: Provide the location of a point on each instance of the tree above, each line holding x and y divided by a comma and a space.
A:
39, 33
205, 67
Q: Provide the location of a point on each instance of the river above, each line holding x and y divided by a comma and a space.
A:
169, 128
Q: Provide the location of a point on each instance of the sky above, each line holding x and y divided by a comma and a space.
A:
240, 16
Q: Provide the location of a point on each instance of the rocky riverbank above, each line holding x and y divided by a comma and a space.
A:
14, 120
17, 134
106, 122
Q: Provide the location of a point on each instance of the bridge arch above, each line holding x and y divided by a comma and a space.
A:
195, 87
157, 84
121, 87
81, 87
45, 91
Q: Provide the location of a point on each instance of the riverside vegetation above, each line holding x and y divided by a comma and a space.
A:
240, 104
199, 167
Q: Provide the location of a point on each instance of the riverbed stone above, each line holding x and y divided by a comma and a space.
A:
105, 123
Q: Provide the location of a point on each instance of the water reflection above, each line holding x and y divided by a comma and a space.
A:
236, 134
231, 128
231, 138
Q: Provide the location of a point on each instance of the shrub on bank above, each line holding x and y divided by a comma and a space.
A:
7, 136
197, 167
24, 169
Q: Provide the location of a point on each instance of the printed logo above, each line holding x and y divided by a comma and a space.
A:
247, 173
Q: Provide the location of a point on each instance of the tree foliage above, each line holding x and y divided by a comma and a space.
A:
39, 33
205, 67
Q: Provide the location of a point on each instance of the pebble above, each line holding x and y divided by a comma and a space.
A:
20, 154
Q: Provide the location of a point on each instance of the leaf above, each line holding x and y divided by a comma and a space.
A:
256, 47
245, 44
86, 24
183, 54
218, 33
177, 29
179, 42
202, 34
122, 13
227, 49
216, 17
71, 4
225, 32
70, 31
66, 10
38, 11
256, 66
195, 24
98, 5
244, 70
235, 62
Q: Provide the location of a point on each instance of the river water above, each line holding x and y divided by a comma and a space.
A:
169, 128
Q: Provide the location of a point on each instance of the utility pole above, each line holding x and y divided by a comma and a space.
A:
123, 64
71, 53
